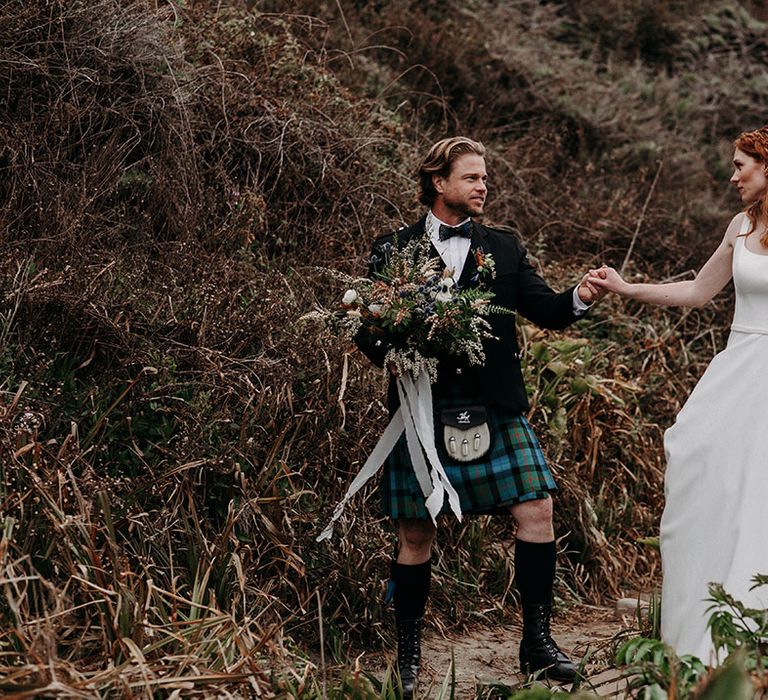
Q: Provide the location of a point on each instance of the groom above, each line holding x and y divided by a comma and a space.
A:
513, 476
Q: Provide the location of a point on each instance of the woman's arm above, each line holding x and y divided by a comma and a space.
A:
696, 292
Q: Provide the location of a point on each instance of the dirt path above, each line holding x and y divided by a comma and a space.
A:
489, 656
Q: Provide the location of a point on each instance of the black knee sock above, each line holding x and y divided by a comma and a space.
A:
535, 571
411, 589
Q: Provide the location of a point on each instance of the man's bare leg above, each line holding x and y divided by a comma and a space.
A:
411, 574
535, 555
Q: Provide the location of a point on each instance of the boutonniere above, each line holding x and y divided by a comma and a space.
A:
485, 265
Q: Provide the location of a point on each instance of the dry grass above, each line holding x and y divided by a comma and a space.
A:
172, 178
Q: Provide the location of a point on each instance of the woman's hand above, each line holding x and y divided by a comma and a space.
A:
608, 280
587, 292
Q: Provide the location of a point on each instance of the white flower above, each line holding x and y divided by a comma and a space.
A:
443, 296
375, 308
349, 297
447, 282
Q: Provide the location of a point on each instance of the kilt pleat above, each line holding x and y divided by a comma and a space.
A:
513, 471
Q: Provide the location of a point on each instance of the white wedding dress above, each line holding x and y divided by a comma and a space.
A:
715, 522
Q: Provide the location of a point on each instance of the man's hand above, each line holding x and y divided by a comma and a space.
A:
589, 292
606, 279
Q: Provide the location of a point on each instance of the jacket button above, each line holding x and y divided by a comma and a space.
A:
458, 370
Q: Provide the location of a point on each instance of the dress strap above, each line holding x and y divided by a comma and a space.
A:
741, 237
744, 226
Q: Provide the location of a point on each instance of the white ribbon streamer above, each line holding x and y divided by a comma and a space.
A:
415, 417
413, 441
417, 398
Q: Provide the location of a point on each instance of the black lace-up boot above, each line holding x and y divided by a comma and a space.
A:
410, 593
538, 651
408, 654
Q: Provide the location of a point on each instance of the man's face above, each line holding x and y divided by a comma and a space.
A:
463, 192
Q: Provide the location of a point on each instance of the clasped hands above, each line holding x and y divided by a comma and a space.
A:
598, 282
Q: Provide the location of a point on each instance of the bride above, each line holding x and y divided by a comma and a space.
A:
715, 520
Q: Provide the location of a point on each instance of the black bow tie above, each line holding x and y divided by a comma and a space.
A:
464, 230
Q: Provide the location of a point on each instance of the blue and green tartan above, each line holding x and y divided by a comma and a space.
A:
513, 471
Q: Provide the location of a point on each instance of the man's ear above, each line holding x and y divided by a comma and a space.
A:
437, 183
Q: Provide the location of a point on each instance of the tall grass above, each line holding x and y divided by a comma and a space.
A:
174, 180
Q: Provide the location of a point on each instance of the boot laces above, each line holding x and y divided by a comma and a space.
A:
408, 645
543, 636
551, 646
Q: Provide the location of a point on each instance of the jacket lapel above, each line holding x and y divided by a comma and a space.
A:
470, 266
418, 230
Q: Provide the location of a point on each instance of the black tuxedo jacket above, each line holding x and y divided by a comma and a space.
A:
517, 286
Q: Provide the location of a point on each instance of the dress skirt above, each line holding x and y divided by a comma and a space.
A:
715, 522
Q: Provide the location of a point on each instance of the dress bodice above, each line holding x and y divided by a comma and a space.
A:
750, 278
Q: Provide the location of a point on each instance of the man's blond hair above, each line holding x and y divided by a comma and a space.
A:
440, 160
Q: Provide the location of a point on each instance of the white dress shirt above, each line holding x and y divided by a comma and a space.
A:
455, 249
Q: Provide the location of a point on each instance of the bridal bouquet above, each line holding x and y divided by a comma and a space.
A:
417, 312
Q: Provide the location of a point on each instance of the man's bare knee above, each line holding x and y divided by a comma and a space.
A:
534, 520
416, 537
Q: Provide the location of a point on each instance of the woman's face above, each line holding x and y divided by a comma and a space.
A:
749, 176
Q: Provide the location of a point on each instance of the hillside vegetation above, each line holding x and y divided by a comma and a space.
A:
178, 182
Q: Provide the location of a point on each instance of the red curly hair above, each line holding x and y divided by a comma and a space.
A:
755, 144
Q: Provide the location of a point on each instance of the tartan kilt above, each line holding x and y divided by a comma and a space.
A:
513, 471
